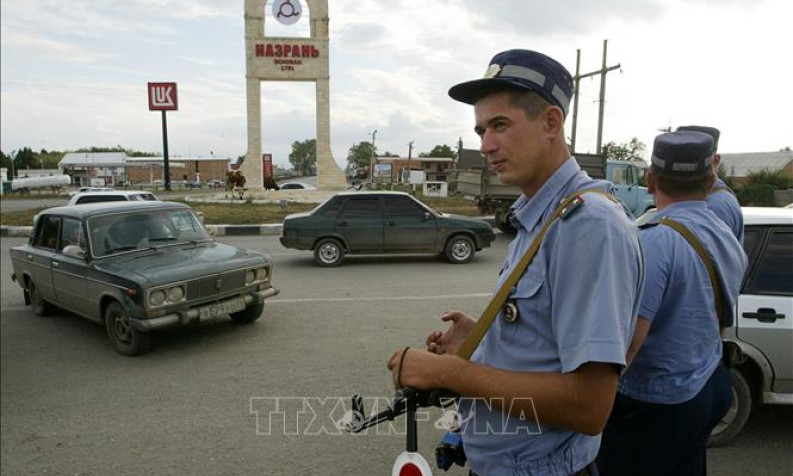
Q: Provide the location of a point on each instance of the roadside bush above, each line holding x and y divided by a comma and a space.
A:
759, 188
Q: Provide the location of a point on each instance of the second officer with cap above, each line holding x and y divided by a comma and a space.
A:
538, 389
676, 388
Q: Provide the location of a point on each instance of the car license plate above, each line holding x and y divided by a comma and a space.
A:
234, 305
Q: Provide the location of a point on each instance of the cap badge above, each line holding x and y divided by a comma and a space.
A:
492, 71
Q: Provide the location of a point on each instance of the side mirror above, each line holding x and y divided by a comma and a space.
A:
426, 216
74, 251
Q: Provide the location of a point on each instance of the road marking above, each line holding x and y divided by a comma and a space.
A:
384, 298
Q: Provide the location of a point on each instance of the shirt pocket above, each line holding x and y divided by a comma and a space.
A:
527, 298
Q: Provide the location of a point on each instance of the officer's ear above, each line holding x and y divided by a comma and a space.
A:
553, 118
650, 178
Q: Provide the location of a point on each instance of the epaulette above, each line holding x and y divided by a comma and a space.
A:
571, 207
576, 203
648, 225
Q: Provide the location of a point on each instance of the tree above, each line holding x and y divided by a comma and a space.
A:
633, 150
440, 151
24, 158
304, 157
360, 155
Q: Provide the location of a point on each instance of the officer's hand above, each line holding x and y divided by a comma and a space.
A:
449, 341
419, 369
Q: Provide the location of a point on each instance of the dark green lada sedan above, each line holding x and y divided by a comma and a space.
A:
383, 222
136, 267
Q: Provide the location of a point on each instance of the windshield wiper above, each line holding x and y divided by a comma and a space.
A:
121, 248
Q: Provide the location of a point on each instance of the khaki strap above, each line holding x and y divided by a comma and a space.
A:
703, 254
491, 311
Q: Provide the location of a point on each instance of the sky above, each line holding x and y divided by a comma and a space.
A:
73, 73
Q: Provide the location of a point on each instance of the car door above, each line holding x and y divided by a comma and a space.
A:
765, 306
360, 222
69, 272
45, 244
408, 226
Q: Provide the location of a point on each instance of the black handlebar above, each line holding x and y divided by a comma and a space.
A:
405, 400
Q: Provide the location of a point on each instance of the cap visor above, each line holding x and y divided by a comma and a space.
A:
472, 91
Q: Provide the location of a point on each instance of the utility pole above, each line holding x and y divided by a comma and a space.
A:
575, 96
371, 159
578, 77
410, 155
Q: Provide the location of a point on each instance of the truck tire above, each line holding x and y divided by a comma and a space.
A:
740, 407
503, 223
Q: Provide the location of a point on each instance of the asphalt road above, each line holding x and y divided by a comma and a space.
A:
16, 205
203, 402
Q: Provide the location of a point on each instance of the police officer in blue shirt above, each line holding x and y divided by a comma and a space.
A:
676, 388
721, 199
539, 387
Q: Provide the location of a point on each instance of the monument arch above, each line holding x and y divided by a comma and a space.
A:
281, 58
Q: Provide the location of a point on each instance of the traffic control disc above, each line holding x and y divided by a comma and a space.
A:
411, 464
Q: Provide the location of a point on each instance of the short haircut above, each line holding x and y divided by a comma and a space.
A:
532, 103
674, 186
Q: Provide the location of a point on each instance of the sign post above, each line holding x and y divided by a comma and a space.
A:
162, 97
267, 167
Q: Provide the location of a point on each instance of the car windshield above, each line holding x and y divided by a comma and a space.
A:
111, 234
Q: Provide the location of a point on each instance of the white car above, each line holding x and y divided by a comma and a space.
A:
91, 189
296, 186
764, 320
112, 196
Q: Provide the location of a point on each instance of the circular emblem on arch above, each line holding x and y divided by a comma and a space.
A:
287, 12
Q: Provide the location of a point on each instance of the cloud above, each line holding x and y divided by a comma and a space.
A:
51, 49
535, 19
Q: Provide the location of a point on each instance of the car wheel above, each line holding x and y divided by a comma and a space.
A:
126, 339
460, 249
741, 405
40, 306
249, 314
329, 252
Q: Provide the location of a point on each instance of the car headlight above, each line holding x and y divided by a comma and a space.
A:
262, 274
157, 298
176, 294
250, 276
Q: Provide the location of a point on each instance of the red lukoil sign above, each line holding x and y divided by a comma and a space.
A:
162, 97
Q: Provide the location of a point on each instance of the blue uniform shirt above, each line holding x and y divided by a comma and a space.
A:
577, 303
683, 346
723, 204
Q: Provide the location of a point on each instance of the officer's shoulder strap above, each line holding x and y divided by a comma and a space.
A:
703, 254
566, 207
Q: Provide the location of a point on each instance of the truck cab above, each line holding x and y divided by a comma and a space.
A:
626, 177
